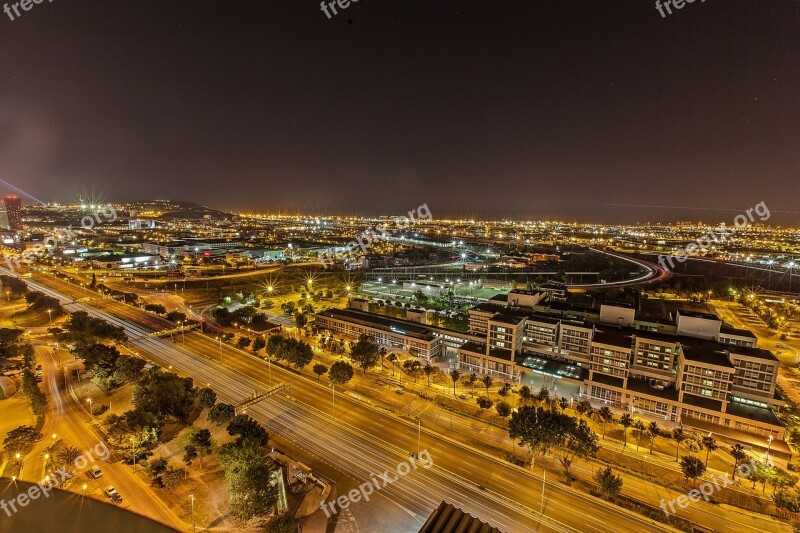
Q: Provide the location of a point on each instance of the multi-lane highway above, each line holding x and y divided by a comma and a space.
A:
363, 442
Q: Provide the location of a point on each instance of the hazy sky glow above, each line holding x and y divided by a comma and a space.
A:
530, 109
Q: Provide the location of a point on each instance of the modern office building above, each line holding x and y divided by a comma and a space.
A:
702, 375
13, 212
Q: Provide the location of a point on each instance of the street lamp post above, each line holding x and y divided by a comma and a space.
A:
769, 446
544, 477
419, 433
133, 442
50, 314
91, 406
333, 399
193, 524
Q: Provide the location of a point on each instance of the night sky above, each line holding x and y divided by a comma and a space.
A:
535, 109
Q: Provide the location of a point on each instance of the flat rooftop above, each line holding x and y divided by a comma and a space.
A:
707, 352
610, 336
393, 325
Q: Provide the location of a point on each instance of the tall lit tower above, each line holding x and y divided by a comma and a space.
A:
14, 211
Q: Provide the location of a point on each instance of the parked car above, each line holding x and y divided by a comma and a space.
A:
399, 391
95, 472
113, 495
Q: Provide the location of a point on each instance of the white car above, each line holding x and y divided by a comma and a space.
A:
113, 495
95, 472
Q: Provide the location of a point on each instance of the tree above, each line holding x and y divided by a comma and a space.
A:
605, 416
21, 439
128, 368
625, 421
251, 491
258, 344
164, 394
341, 372
653, 431
156, 308
300, 320
543, 430
454, 375
171, 478
739, 455
392, 357
298, 353
413, 368
428, 369
579, 441
176, 316
525, 394
639, 428
608, 483
155, 469
710, 444
221, 413
243, 342
503, 409
319, 369
286, 523
790, 501
679, 435
487, 382
189, 453
583, 407
760, 473
543, 396
68, 455
201, 440
248, 429
206, 398
484, 402
364, 352
692, 468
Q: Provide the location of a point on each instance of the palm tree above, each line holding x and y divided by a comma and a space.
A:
68, 455
428, 369
652, 431
454, 375
487, 382
382, 352
583, 407
639, 427
471, 380
679, 435
625, 421
710, 444
543, 395
739, 455
563, 403
392, 357
605, 415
